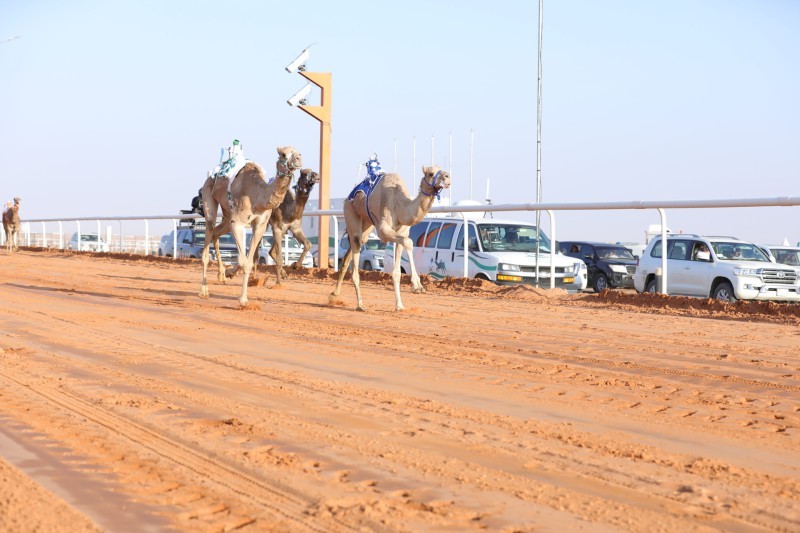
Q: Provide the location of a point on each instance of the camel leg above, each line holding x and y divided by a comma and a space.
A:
416, 285
245, 262
398, 255
205, 256
276, 252
356, 252
345, 263
302, 239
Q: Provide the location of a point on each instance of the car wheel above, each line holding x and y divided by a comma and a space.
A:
724, 292
651, 286
600, 282
160, 254
367, 265
262, 261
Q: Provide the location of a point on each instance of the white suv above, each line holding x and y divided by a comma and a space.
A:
724, 268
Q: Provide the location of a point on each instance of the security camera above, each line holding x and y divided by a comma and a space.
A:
299, 63
300, 96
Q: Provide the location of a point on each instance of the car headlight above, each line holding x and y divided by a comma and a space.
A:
751, 272
506, 266
619, 269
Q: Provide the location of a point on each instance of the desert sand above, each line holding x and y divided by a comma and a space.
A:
127, 403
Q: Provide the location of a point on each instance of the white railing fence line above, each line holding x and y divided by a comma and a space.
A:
133, 245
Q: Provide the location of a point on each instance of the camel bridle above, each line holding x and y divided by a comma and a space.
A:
434, 185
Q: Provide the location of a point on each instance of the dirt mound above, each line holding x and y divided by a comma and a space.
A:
763, 311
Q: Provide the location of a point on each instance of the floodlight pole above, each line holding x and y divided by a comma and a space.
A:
323, 114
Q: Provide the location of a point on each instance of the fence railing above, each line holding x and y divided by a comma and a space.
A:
147, 245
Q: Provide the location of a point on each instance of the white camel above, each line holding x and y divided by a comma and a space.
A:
391, 211
253, 198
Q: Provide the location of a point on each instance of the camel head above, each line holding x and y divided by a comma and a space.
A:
434, 180
289, 160
308, 178
16, 200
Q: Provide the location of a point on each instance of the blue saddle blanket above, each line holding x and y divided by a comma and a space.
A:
366, 186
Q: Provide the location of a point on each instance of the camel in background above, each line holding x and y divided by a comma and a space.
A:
11, 225
252, 200
391, 211
289, 217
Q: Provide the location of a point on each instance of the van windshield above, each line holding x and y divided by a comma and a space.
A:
374, 244
266, 242
738, 251
512, 238
226, 239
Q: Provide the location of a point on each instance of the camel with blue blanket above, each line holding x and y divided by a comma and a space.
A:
382, 202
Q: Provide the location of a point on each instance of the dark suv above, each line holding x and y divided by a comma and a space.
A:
609, 265
191, 239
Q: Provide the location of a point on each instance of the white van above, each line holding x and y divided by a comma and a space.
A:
505, 253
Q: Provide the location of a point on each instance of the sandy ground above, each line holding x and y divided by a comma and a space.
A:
128, 403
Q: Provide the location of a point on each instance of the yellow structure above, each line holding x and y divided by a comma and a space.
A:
323, 114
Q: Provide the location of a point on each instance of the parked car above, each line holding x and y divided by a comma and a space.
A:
724, 268
191, 239
787, 255
504, 253
89, 242
609, 265
291, 252
372, 252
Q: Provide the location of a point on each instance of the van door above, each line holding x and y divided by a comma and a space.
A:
473, 267
678, 264
417, 235
426, 256
445, 254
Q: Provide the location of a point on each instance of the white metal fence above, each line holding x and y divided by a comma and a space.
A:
148, 244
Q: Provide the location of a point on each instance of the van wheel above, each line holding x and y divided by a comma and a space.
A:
482, 276
651, 286
724, 292
402, 270
367, 265
600, 282
262, 261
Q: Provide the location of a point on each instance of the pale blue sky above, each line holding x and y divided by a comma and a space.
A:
120, 108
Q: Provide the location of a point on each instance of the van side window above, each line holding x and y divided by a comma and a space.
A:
656, 251
472, 241
446, 235
679, 250
433, 233
417, 233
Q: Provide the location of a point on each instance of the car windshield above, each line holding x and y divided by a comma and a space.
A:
227, 239
738, 251
613, 252
512, 238
787, 257
266, 242
89, 238
375, 244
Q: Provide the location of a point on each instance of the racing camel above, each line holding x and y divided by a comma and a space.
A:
289, 217
253, 198
11, 224
391, 211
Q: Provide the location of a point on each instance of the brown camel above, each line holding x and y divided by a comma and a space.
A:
11, 225
252, 200
393, 212
289, 217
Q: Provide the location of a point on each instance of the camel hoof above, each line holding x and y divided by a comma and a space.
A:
399, 308
204, 292
361, 308
243, 303
418, 290
253, 282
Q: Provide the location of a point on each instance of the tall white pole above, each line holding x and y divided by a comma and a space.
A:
539, 145
450, 164
471, 141
414, 151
